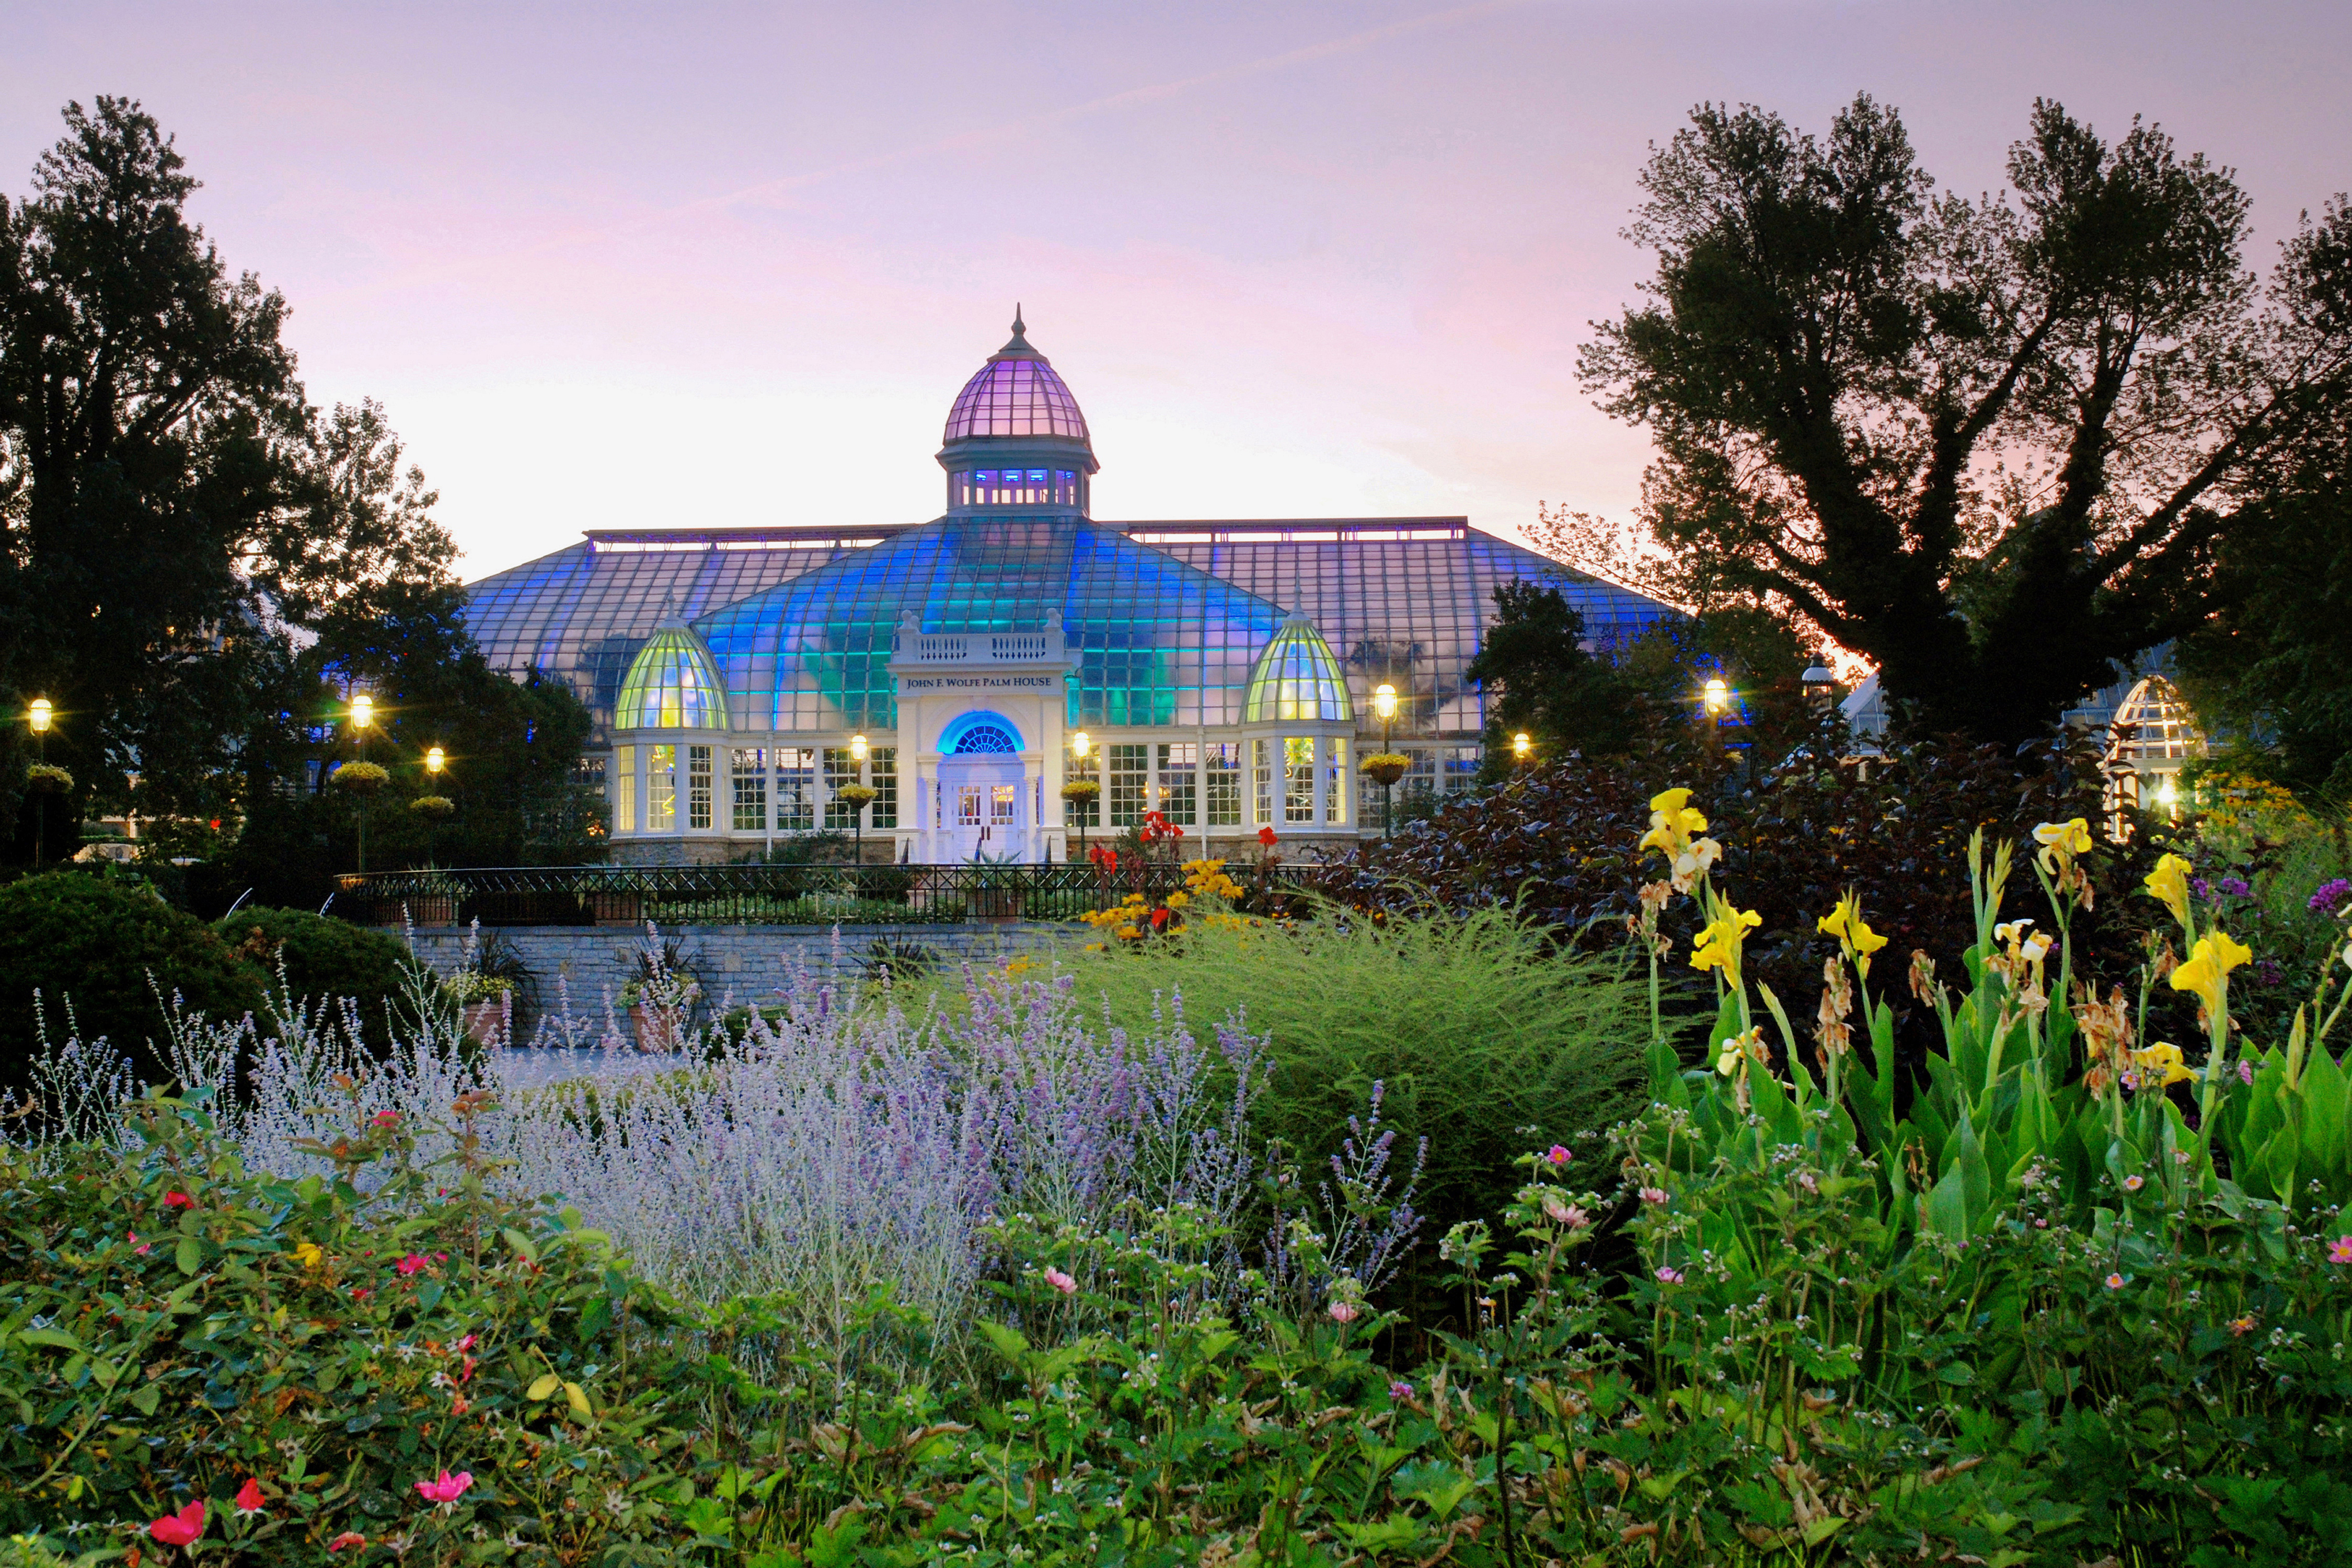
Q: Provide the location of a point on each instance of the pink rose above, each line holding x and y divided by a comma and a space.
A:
1344, 1312
448, 1489
1670, 1276
1061, 1281
1654, 1195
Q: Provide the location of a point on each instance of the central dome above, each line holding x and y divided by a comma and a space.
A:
1016, 393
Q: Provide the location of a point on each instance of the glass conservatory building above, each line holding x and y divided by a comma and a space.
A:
965, 668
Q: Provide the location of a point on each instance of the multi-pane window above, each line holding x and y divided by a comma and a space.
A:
750, 776
1176, 797
1017, 487
884, 770
1221, 781
1419, 781
625, 789
1298, 778
1462, 765
661, 788
1000, 799
795, 789
698, 787
1130, 782
1335, 780
1262, 770
966, 805
840, 771
1083, 813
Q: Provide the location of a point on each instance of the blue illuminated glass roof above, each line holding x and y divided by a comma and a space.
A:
1153, 641
1177, 612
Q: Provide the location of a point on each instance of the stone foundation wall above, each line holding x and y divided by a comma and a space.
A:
737, 965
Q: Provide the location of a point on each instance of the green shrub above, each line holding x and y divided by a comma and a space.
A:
195, 1325
327, 958
93, 941
1483, 1036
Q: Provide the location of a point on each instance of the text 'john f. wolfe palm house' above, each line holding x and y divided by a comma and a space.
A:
964, 669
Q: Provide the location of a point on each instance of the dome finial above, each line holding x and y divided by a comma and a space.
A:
1019, 344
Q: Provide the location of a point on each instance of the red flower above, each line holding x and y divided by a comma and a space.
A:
386, 1119
448, 1489
178, 1201
248, 1497
143, 1247
1159, 919
180, 1529
411, 1264
348, 1538
1266, 836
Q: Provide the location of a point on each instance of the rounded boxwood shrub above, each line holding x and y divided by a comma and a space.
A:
326, 960
94, 940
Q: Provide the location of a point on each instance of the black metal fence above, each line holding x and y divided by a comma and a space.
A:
743, 894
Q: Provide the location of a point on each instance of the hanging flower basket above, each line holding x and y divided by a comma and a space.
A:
433, 806
1081, 789
857, 798
47, 778
1386, 767
362, 778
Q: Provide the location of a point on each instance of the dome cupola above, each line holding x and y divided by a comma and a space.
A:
1296, 679
672, 684
1015, 441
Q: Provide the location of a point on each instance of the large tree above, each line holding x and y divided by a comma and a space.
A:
1988, 444
196, 566
152, 424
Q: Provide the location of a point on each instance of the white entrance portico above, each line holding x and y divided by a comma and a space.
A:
981, 717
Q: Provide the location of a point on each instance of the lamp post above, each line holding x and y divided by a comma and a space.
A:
1081, 745
362, 716
1821, 697
1388, 767
1523, 746
37, 716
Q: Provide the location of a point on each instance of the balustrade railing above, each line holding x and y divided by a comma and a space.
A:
748, 894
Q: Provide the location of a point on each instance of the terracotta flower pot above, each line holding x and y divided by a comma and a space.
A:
485, 1022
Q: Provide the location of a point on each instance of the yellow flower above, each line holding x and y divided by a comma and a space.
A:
2164, 1057
2169, 882
1845, 923
2206, 973
309, 1255
1717, 945
1177, 900
1672, 824
2061, 841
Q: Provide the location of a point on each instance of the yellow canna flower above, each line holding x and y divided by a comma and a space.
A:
2170, 883
1845, 923
1717, 945
2206, 972
1672, 824
2165, 1057
2061, 841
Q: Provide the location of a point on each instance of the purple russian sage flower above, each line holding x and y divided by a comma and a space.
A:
2233, 887
2331, 896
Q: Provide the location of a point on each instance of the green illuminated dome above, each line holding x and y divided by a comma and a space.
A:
1297, 679
672, 684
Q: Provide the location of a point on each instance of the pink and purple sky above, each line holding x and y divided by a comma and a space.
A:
634, 266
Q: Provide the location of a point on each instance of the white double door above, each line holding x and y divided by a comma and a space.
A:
985, 802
